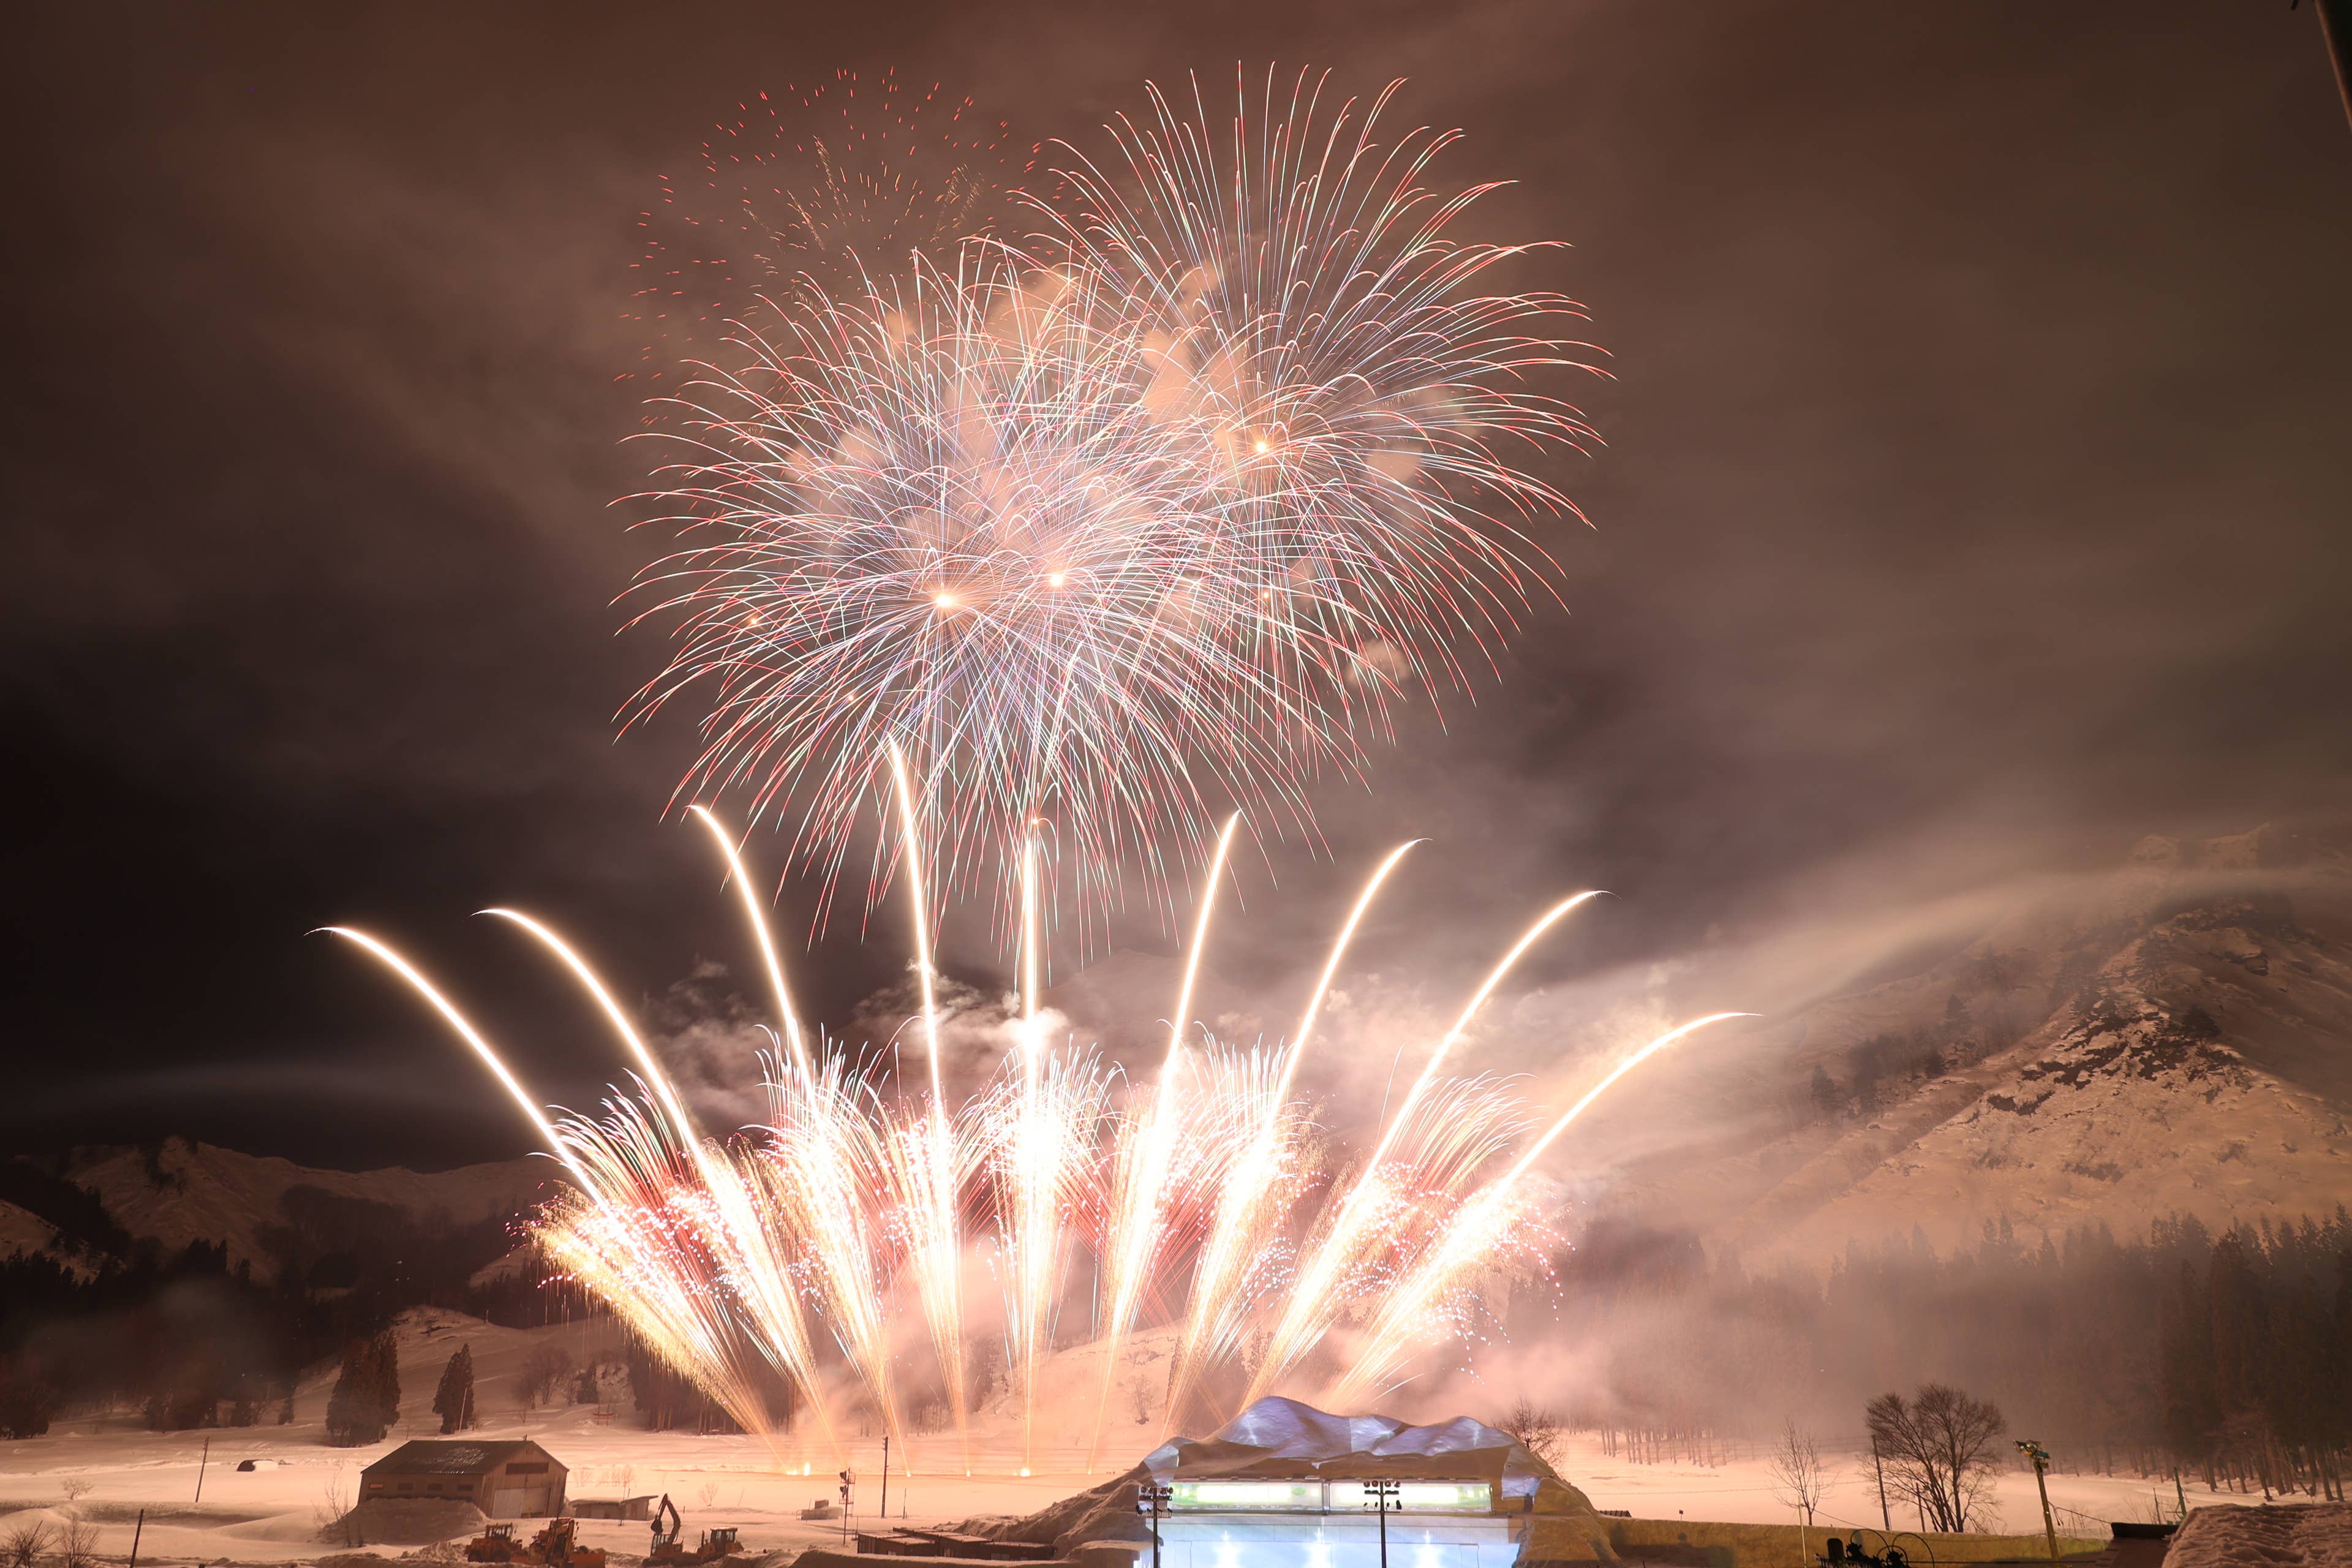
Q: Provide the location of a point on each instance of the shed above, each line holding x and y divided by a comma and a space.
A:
638, 1508
512, 1479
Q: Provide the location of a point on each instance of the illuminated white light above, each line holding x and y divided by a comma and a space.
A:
1264, 447
1245, 1494
944, 600
1056, 579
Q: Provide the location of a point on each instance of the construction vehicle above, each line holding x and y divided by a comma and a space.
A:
669, 1549
665, 1547
496, 1543
558, 1546
715, 1544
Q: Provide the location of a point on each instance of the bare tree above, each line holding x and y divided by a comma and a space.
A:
76, 1544
23, 1544
76, 1488
1799, 1479
544, 1371
333, 1511
1537, 1428
1938, 1451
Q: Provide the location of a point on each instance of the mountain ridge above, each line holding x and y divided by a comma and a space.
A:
2177, 1039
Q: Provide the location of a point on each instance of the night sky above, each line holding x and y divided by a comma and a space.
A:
1975, 499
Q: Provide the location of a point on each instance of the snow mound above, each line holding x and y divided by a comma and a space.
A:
289, 1527
2297, 1535
411, 1521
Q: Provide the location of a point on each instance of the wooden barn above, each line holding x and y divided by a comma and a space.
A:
513, 1479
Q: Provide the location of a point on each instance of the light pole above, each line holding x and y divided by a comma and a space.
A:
1151, 1502
2041, 1457
1383, 1495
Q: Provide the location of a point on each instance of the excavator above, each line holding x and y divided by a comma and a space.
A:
557, 1546
669, 1549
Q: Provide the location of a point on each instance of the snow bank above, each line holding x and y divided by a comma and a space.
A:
2293, 1535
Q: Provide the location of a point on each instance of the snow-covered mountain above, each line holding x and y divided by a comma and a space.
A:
2176, 1037
186, 1191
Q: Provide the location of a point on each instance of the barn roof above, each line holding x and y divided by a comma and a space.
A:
456, 1457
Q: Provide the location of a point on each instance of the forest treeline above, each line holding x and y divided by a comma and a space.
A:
187, 1339
191, 1340
2228, 1355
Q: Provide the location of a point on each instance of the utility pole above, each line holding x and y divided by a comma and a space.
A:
203, 1459
2041, 1457
886, 1481
1383, 1495
1151, 1502
136, 1531
1885, 1524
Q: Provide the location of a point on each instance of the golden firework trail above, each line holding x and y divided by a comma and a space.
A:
929, 1178
1314, 1304
1143, 1163
785, 1013
1471, 1233
795, 1254
1212, 1326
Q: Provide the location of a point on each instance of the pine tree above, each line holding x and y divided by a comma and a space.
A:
1828, 1101
2240, 1332
386, 1380
2192, 1415
366, 1401
352, 1408
454, 1400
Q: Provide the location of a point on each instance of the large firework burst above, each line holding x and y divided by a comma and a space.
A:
1155, 513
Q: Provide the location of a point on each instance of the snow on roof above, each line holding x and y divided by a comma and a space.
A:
1278, 1437
2292, 1535
425, 1456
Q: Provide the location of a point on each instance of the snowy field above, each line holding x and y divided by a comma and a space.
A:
1740, 1492
104, 1471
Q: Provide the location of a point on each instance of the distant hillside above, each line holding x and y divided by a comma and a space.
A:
2177, 1037
265, 1210
23, 1231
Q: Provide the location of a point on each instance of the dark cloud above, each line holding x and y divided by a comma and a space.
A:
1973, 502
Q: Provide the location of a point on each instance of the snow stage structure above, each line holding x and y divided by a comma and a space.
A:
1283, 1485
